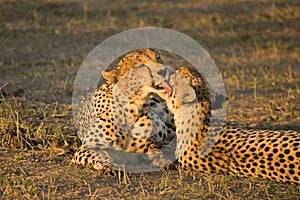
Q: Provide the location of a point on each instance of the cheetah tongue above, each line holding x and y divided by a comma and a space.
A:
167, 87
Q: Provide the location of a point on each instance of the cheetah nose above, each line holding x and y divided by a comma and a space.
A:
167, 87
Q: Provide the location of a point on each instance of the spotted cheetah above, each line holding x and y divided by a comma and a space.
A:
238, 151
103, 121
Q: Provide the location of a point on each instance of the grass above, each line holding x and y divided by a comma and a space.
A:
254, 44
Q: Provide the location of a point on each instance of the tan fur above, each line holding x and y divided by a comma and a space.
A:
106, 123
251, 153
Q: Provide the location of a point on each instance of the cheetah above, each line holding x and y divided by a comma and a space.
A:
104, 125
237, 151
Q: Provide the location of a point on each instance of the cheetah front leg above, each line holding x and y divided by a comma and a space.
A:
157, 157
100, 161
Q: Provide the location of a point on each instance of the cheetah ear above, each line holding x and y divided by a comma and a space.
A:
188, 94
183, 89
111, 75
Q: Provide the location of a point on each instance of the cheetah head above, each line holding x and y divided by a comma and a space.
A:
131, 60
180, 83
153, 76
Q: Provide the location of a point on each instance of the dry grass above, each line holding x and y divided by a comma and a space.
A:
255, 45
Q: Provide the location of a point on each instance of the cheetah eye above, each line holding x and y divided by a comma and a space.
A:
157, 56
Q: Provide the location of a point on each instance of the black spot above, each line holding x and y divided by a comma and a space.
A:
99, 145
261, 140
287, 151
285, 138
153, 104
137, 134
160, 134
275, 150
270, 155
291, 166
155, 100
247, 155
262, 166
281, 155
224, 141
291, 171
267, 149
211, 166
274, 140
260, 176
269, 158
281, 177
262, 146
282, 160
291, 158
282, 170
284, 145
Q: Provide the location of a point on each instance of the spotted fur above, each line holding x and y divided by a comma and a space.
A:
120, 116
238, 151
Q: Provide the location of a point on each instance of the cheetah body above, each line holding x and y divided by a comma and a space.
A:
237, 151
119, 116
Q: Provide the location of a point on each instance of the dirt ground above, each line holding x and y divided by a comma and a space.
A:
255, 44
